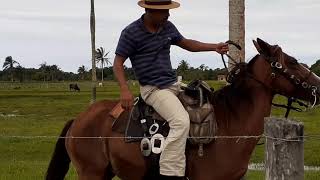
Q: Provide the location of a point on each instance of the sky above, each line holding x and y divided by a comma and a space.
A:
57, 31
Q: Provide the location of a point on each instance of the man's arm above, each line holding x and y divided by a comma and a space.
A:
126, 96
197, 46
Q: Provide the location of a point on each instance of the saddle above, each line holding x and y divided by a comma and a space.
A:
147, 126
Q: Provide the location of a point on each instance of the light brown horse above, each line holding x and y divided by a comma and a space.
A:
240, 109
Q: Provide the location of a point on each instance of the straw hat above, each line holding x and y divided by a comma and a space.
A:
158, 4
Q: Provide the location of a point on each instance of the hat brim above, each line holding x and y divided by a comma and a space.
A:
173, 5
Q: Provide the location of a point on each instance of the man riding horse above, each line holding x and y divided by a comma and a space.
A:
146, 42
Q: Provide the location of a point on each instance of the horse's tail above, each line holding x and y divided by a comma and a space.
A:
59, 164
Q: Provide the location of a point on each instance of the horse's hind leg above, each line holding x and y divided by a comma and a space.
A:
94, 167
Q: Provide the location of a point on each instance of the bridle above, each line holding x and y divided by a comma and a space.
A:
277, 67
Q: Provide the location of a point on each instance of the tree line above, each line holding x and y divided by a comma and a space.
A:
14, 72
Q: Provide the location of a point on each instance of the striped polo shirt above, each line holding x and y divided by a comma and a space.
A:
149, 53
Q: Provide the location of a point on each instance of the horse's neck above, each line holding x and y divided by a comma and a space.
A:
261, 102
247, 118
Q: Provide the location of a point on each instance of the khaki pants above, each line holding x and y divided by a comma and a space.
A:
166, 103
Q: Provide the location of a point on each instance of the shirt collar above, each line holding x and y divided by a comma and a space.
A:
141, 25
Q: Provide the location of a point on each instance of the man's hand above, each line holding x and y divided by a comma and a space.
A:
126, 99
222, 48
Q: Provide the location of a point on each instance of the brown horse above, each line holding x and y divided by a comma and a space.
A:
240, 109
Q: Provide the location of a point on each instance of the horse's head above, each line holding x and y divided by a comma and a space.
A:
286, 76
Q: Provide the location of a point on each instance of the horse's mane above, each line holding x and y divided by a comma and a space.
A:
237, 91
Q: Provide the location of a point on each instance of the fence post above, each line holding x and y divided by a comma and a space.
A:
283, 159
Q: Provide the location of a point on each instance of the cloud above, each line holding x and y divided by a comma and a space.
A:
58, 31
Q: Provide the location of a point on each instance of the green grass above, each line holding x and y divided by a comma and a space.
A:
38, 109
259, 175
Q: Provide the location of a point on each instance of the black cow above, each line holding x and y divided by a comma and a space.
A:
74, 87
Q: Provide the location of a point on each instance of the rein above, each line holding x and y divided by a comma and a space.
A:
233, 60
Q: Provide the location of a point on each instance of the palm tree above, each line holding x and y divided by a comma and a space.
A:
9, 65
93, 51
237, 29
183, 68
203, 67
101, 57
82, 71
183, 65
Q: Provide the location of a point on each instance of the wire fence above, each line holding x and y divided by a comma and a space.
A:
238, 138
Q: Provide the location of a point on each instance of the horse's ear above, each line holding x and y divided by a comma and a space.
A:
263, 47
257, 46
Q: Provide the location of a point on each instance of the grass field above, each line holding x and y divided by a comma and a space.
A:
38, 109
